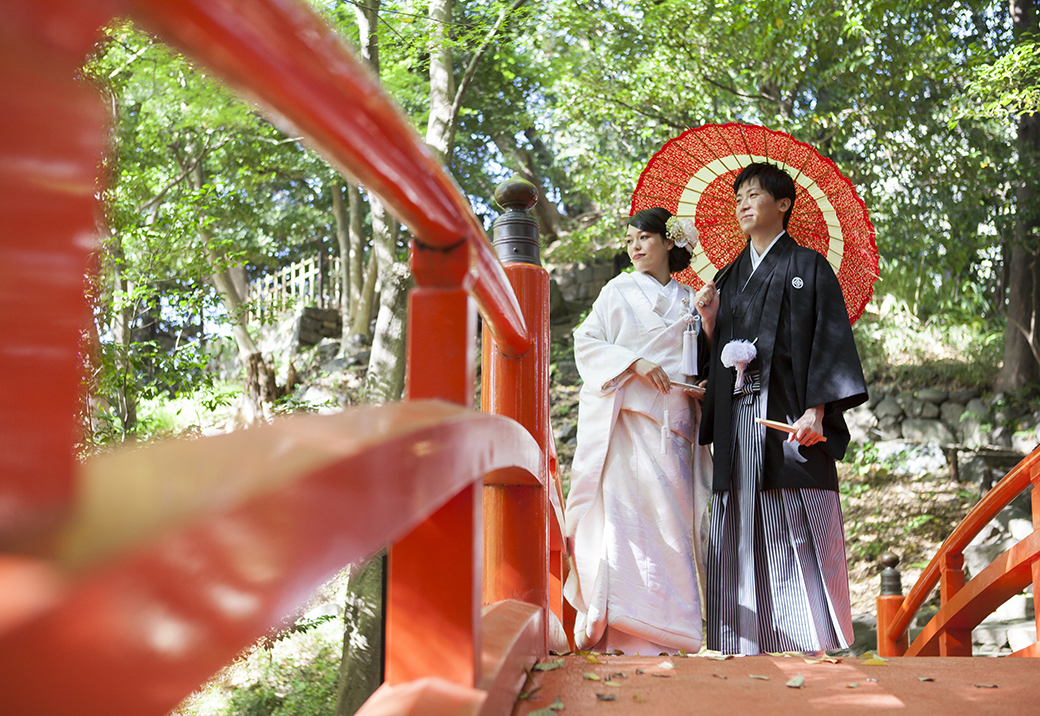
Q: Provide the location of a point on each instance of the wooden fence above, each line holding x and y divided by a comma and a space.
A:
315, 281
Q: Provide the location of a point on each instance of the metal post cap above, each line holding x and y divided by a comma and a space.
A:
516, 194
516, 232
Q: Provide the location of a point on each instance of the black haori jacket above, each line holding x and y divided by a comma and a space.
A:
793, 305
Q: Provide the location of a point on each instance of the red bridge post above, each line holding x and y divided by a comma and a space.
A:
516, 546
434, 574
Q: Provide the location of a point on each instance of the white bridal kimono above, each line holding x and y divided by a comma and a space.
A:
635, 511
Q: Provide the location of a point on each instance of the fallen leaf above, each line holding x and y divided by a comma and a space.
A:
874, 680
719, 676
756, 676
549, 710
719, 657
640, 671
797, 682
662, 676
549, 665
528, 694
607, 697
874, 662
638, 699
612, 683
591, 658
615, 652
925, 678
666, 665
853, 685
822, 659
869, 655
985, 686
618, 675
589, 676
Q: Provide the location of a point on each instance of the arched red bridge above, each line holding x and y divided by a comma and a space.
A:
127, 581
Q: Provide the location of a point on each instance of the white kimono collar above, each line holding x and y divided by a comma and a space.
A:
661, 298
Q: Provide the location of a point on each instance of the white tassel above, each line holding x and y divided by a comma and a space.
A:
689, 347
665, 429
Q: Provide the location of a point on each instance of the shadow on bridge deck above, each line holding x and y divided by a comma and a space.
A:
941, 686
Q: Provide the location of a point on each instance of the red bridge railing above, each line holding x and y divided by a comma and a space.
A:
125, 582
963, 606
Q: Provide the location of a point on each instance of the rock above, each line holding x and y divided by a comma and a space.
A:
861, 424
929, 411
971, 431
889, 428
864, 629
1020, 528
327, 349
1001, 437
558, 306
920, 430
990, 636
963, 396
337, 364
565, 432
977, 407
973, 470
888, 408
910, 404
1024, 442
874, 396
1021, 635
931, 395
911, 457
950, 413
1014, 609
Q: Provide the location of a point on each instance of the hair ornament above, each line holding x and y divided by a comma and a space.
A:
682, 232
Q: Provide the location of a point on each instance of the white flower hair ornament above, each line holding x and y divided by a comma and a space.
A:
682, 232
738, 354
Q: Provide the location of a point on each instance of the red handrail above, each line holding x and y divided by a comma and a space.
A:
949, 558
191, 550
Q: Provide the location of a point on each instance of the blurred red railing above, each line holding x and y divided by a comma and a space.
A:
126, 582
964, 606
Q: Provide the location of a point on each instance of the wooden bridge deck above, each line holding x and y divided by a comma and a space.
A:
944, 686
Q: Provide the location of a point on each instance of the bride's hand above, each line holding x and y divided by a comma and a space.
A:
654, 374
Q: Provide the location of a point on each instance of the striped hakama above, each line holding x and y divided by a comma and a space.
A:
777, 578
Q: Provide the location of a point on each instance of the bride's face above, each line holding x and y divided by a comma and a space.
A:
648, 251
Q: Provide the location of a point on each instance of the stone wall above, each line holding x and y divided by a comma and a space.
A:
964, 418
575, 286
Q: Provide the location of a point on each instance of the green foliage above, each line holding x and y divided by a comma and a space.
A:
896, 348
1005, 86
293, 673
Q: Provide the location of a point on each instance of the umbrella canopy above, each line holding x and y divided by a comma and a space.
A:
692, 176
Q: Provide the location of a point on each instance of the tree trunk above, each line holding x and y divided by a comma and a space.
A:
384, 381
1022, 338
362, 322
342, 219
361, 668
122, 332
440, 130
357, 252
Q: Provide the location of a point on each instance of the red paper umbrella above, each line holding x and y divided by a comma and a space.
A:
692, 176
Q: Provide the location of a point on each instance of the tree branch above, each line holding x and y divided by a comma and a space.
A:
471, 69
